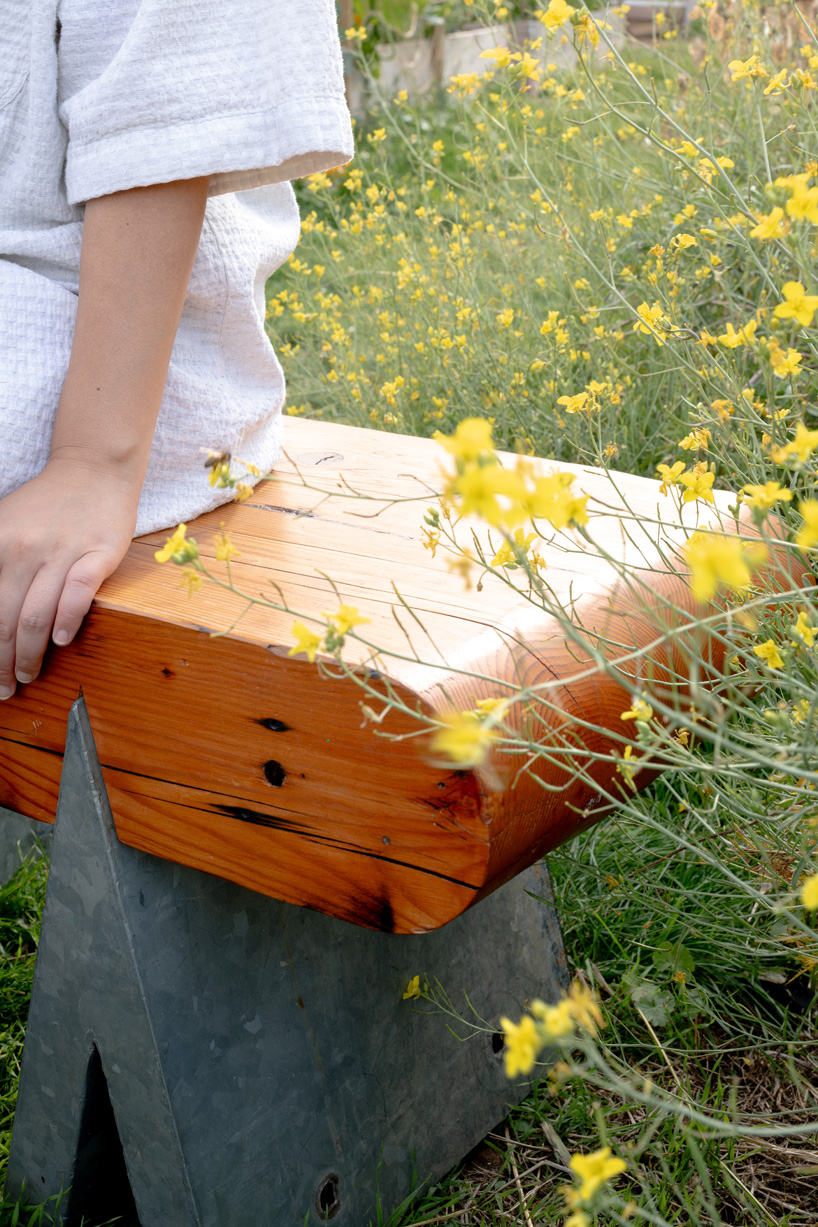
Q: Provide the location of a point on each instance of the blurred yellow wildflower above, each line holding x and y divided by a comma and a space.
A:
764, 498
556, 1020
809, 893
595, 1169
785, 364
471, 439
807, 535
573, 404
557, 13
225, 550
803, 201
772, 225
505, 318
797, 305
462, 738
413, 989
191, 580
776, 84
507, 555
584, 1008
715, 559
801, 446
731, 339
306, 641
345, 619
803, 630
174, 545
501, 55
640, 709
769, 653
742, 70
552, 499
522, 1044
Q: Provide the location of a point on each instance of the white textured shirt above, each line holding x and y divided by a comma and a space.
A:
97, 96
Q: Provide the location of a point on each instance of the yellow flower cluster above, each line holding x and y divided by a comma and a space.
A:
505, 497
338, 625
578, 1009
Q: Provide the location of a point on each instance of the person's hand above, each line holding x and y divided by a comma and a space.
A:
61, 534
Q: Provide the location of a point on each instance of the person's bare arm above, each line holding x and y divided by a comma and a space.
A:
63, 532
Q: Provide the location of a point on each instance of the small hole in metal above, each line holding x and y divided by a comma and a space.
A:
498, 1043
328, 1197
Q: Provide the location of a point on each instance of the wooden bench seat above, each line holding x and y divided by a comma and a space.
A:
228, 755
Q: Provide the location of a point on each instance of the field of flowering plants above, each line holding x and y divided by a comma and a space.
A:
611, 264
614, 264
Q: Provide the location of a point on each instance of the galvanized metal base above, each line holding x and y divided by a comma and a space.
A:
198, 1054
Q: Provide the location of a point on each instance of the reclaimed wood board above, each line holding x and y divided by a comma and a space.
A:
222, 752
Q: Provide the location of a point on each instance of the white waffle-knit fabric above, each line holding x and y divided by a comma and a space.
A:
97, 96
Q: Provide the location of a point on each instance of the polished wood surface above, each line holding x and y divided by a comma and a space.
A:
226, 754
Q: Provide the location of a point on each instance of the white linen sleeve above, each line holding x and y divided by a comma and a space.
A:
246, 91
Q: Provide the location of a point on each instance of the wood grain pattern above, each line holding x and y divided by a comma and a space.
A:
228, 755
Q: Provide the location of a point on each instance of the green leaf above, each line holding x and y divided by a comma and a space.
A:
672, 957
654, 1002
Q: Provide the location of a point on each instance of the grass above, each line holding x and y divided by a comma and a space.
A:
495, 253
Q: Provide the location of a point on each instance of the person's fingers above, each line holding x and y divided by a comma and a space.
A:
35, 622
13, 587
80, 588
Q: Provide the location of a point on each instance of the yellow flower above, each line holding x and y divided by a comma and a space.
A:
802, 445
306, 641
697, 482
770, 225
553, 500
522, 1044
809, 893
225, 550
583, 1006
681, 242
177, 545
501, 55
596, 1169
786, 364
764, 498
346, 617
797, 305
639, 710
669, 475
462, 738
191, 580
557, 13
743, 69
573, 404
480, 486
505, 318
651, 321
412, 989
507, 556
471, 439
579, 1218
807, 535
241, 492
803, 201
732, 339
776, 84
803, 630
557, 1020
716, 559
770, 654
699, 437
